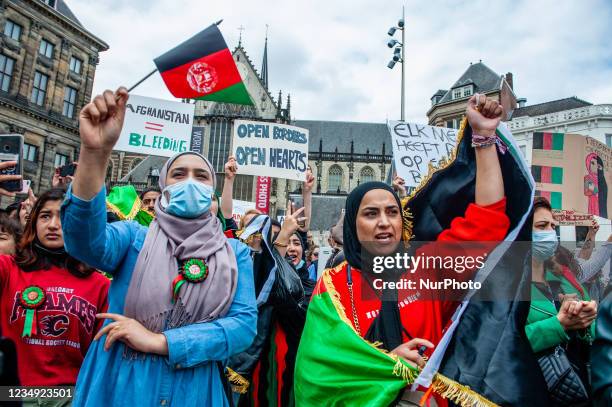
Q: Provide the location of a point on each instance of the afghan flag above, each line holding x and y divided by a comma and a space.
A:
203, 68
335, 366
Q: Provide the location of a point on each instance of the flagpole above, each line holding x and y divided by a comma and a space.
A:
142, 80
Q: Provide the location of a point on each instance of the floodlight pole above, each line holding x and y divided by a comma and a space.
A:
403, 61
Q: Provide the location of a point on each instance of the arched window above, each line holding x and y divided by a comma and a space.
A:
335, 178
366, 175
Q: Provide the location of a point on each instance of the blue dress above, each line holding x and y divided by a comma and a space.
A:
189, 375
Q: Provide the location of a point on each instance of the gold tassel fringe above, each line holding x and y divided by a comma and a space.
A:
239, 383
407, 373
458, 393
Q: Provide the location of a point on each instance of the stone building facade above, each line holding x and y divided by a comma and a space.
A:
47, 67
448, 106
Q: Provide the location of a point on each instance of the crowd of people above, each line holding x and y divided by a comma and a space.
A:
161, 298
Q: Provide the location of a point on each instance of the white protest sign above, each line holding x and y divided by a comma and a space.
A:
270, 149
417, 145
240, 207
156, 127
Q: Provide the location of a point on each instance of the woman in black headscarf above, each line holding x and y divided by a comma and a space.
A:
406, 323
603, 188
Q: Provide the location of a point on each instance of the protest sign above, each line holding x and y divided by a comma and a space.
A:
156, 127
573, 172
572, 218
415, 146
270, 149
262, 194
239, 208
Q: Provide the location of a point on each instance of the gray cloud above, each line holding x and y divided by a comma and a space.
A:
331, 55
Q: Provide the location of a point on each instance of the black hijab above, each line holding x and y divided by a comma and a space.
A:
387, 326
352, 246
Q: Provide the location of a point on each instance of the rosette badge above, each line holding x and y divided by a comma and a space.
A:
192, 271
31, 299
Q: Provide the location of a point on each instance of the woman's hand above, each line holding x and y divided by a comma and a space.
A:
574, 314
309, 181
484, 114
5, 178
410, 353
399, 185
230, 168
132, 333
26, 208
101, 120
290, 225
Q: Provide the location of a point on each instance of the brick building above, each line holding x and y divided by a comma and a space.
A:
47, 66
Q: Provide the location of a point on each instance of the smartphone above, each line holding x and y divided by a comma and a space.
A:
26, 189
67, 170
298, 203
11, 146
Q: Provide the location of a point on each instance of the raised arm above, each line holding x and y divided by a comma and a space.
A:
227, 195
484, 115
307, 199
100, 124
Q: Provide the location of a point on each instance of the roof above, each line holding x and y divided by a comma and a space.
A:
440, 92
483, 78
63, 9
550, 107
366, 136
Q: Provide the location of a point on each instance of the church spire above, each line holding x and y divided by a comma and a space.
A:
264, 63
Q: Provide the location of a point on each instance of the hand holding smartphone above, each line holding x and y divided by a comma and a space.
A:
11, 146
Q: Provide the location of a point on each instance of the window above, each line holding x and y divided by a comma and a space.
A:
12, 30
366, 175
335, 179
61, 159
50, 3
457, 93
39, 90
30, 152
6, 72
46, 48
608, 136
467, 91
75, 65
70, 95
449, 124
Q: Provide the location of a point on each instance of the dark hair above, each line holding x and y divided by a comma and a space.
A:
541, 202
29, 257
274, 222
566, 258
15, 206
150, 189
10, 226
602, 186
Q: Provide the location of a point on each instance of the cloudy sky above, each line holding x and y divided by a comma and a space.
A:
331, 55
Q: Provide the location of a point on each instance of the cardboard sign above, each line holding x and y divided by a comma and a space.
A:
270, 149
239, 208
572, 218
156, 127
415, 146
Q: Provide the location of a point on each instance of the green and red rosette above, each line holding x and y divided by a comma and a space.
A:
193, 271
31, 299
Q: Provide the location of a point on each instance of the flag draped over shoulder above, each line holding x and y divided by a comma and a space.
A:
484, 357
336, 366
124, 202
203, 68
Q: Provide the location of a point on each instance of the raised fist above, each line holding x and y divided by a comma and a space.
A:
101, 120
484, 114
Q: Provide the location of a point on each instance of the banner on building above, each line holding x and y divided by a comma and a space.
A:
197, 139
262, 194
239, 208
573, 172
270, 149
566, 217
156, 127
415, 146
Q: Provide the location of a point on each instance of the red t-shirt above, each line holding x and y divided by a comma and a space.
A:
66, 321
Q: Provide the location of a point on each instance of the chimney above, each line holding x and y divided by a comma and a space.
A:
521, 102
509, 80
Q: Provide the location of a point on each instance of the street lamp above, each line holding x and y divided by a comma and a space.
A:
398, 53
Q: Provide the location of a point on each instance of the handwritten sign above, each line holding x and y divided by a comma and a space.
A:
415, 146
156, 127
573, 218
270, 149
239, 208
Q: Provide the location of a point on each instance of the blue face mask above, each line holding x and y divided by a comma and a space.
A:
544, 244
188, 199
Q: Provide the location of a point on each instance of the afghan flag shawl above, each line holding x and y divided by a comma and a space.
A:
484, 358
